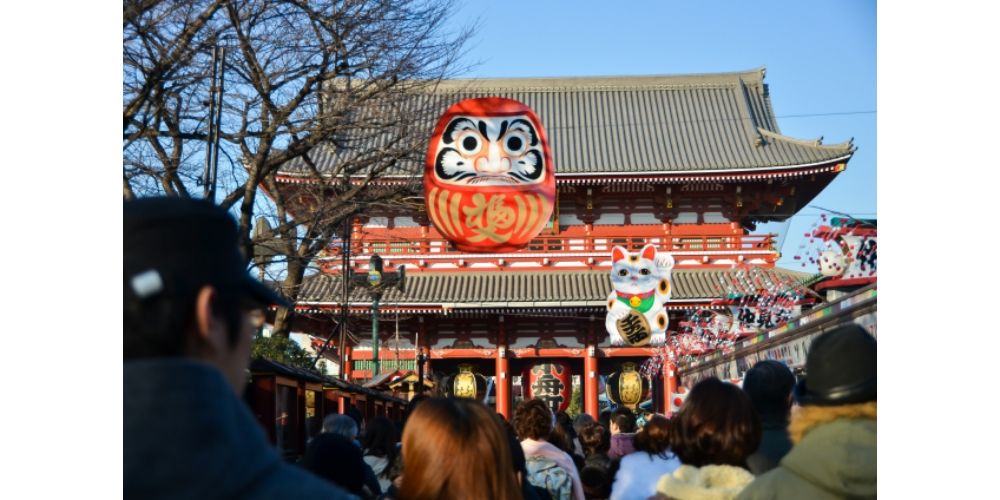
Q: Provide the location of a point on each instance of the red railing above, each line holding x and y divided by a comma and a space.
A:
574, 244
406, 245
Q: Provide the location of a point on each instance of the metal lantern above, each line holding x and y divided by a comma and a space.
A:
627, 387
551, 382
466, 384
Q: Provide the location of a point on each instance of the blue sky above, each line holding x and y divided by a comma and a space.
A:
820, 58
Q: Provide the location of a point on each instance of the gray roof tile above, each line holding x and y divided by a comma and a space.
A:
533, 286
644, 124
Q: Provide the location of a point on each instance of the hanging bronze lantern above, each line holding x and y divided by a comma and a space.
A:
627, 387
466, 384
550, 381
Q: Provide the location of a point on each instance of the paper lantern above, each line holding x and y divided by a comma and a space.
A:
466, 384
489, 180
627, 387
549, 381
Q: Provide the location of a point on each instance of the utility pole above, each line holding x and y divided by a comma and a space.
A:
215, 93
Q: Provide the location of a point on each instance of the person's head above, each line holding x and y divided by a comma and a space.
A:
769, 384
839, 382
840, 369
596, 481
380, 438
716, 425
622, 420
341, 425
336, 459
604, 418
533, 420
456, 448
580, 421
187, 292
594, 438
654, 437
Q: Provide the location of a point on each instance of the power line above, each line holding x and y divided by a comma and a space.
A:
835, 113
610, 123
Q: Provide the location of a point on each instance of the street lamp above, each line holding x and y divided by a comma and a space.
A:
376, 281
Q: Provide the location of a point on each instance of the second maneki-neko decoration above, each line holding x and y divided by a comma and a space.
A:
489, 180
642, 284
549, 381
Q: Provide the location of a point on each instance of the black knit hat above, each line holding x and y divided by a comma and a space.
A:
840, 369
175, 244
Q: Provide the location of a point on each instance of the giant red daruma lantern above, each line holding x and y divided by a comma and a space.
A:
489, 182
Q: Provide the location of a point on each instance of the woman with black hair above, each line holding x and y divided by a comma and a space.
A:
380, 446
651, 459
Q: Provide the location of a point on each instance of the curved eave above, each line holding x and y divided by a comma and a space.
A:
837, 164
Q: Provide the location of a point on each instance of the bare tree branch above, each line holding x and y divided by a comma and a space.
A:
304, 82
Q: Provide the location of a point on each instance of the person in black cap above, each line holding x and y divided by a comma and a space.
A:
187, 338
769, 384
834, 431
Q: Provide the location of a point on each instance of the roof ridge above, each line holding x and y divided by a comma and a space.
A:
622, 82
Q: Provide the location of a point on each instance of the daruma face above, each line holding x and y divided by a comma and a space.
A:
489, 180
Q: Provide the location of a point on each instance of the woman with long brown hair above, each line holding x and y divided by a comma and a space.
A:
456, 448
715, 431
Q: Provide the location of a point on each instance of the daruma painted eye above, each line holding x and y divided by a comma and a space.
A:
514, 144
489, 182
470, 144
622, 272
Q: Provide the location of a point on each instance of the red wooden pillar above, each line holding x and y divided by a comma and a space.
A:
669, 386
590, 374
502, 374
348, 362
503, 383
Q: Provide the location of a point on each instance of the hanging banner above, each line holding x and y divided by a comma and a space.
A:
489, 180
551, 381
642, 284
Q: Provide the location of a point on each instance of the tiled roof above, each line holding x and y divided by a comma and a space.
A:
267, 366
636, 125
568, 288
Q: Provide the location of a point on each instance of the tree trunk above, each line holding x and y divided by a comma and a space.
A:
290, 288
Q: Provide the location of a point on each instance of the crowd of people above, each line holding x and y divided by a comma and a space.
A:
187, 434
